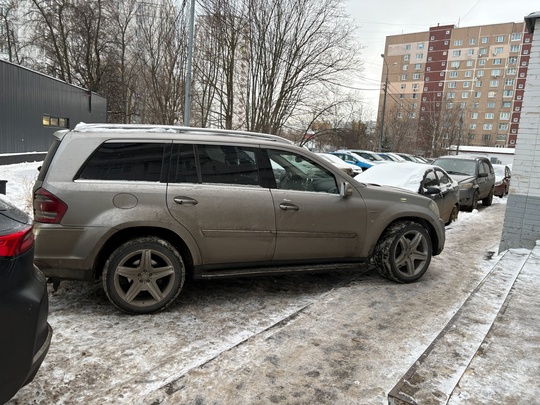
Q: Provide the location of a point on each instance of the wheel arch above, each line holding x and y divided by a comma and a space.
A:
126, 234
434, 238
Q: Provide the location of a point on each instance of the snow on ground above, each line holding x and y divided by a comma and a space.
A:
315, 338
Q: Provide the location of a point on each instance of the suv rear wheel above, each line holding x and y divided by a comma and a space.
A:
486, 202
404, 252
143, 275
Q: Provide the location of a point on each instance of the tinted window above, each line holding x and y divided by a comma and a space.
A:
48, 158
228, 164
131, 161
184, 165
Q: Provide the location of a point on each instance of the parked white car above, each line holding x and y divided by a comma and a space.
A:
349, 168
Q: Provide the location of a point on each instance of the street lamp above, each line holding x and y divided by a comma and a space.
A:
384, 104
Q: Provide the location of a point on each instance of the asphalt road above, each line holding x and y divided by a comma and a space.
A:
335, 338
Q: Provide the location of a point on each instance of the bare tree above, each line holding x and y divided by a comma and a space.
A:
161, 50
10, 43
293, 47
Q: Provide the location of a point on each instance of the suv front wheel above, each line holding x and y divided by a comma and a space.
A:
143, 275
404, 252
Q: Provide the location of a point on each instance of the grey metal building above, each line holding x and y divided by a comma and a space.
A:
33, 106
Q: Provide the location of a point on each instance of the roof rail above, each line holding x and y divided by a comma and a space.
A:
83, 127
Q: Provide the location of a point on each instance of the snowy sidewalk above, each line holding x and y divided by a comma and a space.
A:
487, 354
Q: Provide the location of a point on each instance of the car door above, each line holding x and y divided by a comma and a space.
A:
313, 221
484, 185
214, 192
431, 180
449, 191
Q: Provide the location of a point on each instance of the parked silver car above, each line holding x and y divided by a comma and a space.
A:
144, 207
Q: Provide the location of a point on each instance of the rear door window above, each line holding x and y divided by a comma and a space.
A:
128, 161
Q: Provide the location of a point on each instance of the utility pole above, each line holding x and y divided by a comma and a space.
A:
187, 98
383, 105
459, 132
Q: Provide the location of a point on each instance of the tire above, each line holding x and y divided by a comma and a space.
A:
143, 275
488, 201
403, 252
474, 202
453, 215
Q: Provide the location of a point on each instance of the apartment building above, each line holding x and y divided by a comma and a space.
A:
460, 85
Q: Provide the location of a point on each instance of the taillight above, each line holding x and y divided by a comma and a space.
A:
48, 207
16, 243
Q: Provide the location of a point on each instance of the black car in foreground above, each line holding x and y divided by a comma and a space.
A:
25, 334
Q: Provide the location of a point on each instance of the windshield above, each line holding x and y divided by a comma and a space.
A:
460, 167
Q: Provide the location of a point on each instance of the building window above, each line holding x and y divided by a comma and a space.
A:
456, 52
472, 126
478, 84
414, 96
454, 64
493, 83
405, 67
474, 116
483, 51
516, 119
514, 48
503, 127
525, 52
51, 121
488, 127
491, 104
458, 42
509, 82
516, 36
506, 104
470, 52
469, 63
501, 137
500, 38
477, 94
481, 62
451, 95
497, 61
468, 73
402, 95
496, 72
416, 76
466, 84
472, 41
419, 55
420, 45
403, 77
511, 71
442, 74
498, 50
403, 86
489, 116
418, 66
512, 60
408, 47
484, 40
508, 93
443, 63
400, 115
492, 94
464, 94
406, 57
504, 116
452, 74
415, 87
452, 85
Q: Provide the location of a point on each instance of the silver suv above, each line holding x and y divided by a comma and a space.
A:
144, 207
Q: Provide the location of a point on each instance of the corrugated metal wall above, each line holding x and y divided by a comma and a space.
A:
25, 96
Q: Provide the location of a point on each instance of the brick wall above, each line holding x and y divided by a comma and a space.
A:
522, 219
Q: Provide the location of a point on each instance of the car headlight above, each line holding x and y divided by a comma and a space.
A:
465, 186
433, 207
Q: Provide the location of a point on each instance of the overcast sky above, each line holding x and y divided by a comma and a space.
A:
377, 19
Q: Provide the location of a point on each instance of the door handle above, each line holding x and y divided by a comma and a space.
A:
185, 201
288, 207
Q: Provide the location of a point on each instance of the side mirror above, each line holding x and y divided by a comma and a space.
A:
345, 190
432, 190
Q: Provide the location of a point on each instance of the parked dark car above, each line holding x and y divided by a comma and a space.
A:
503, 173
25, 334
475, 176
431, 181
